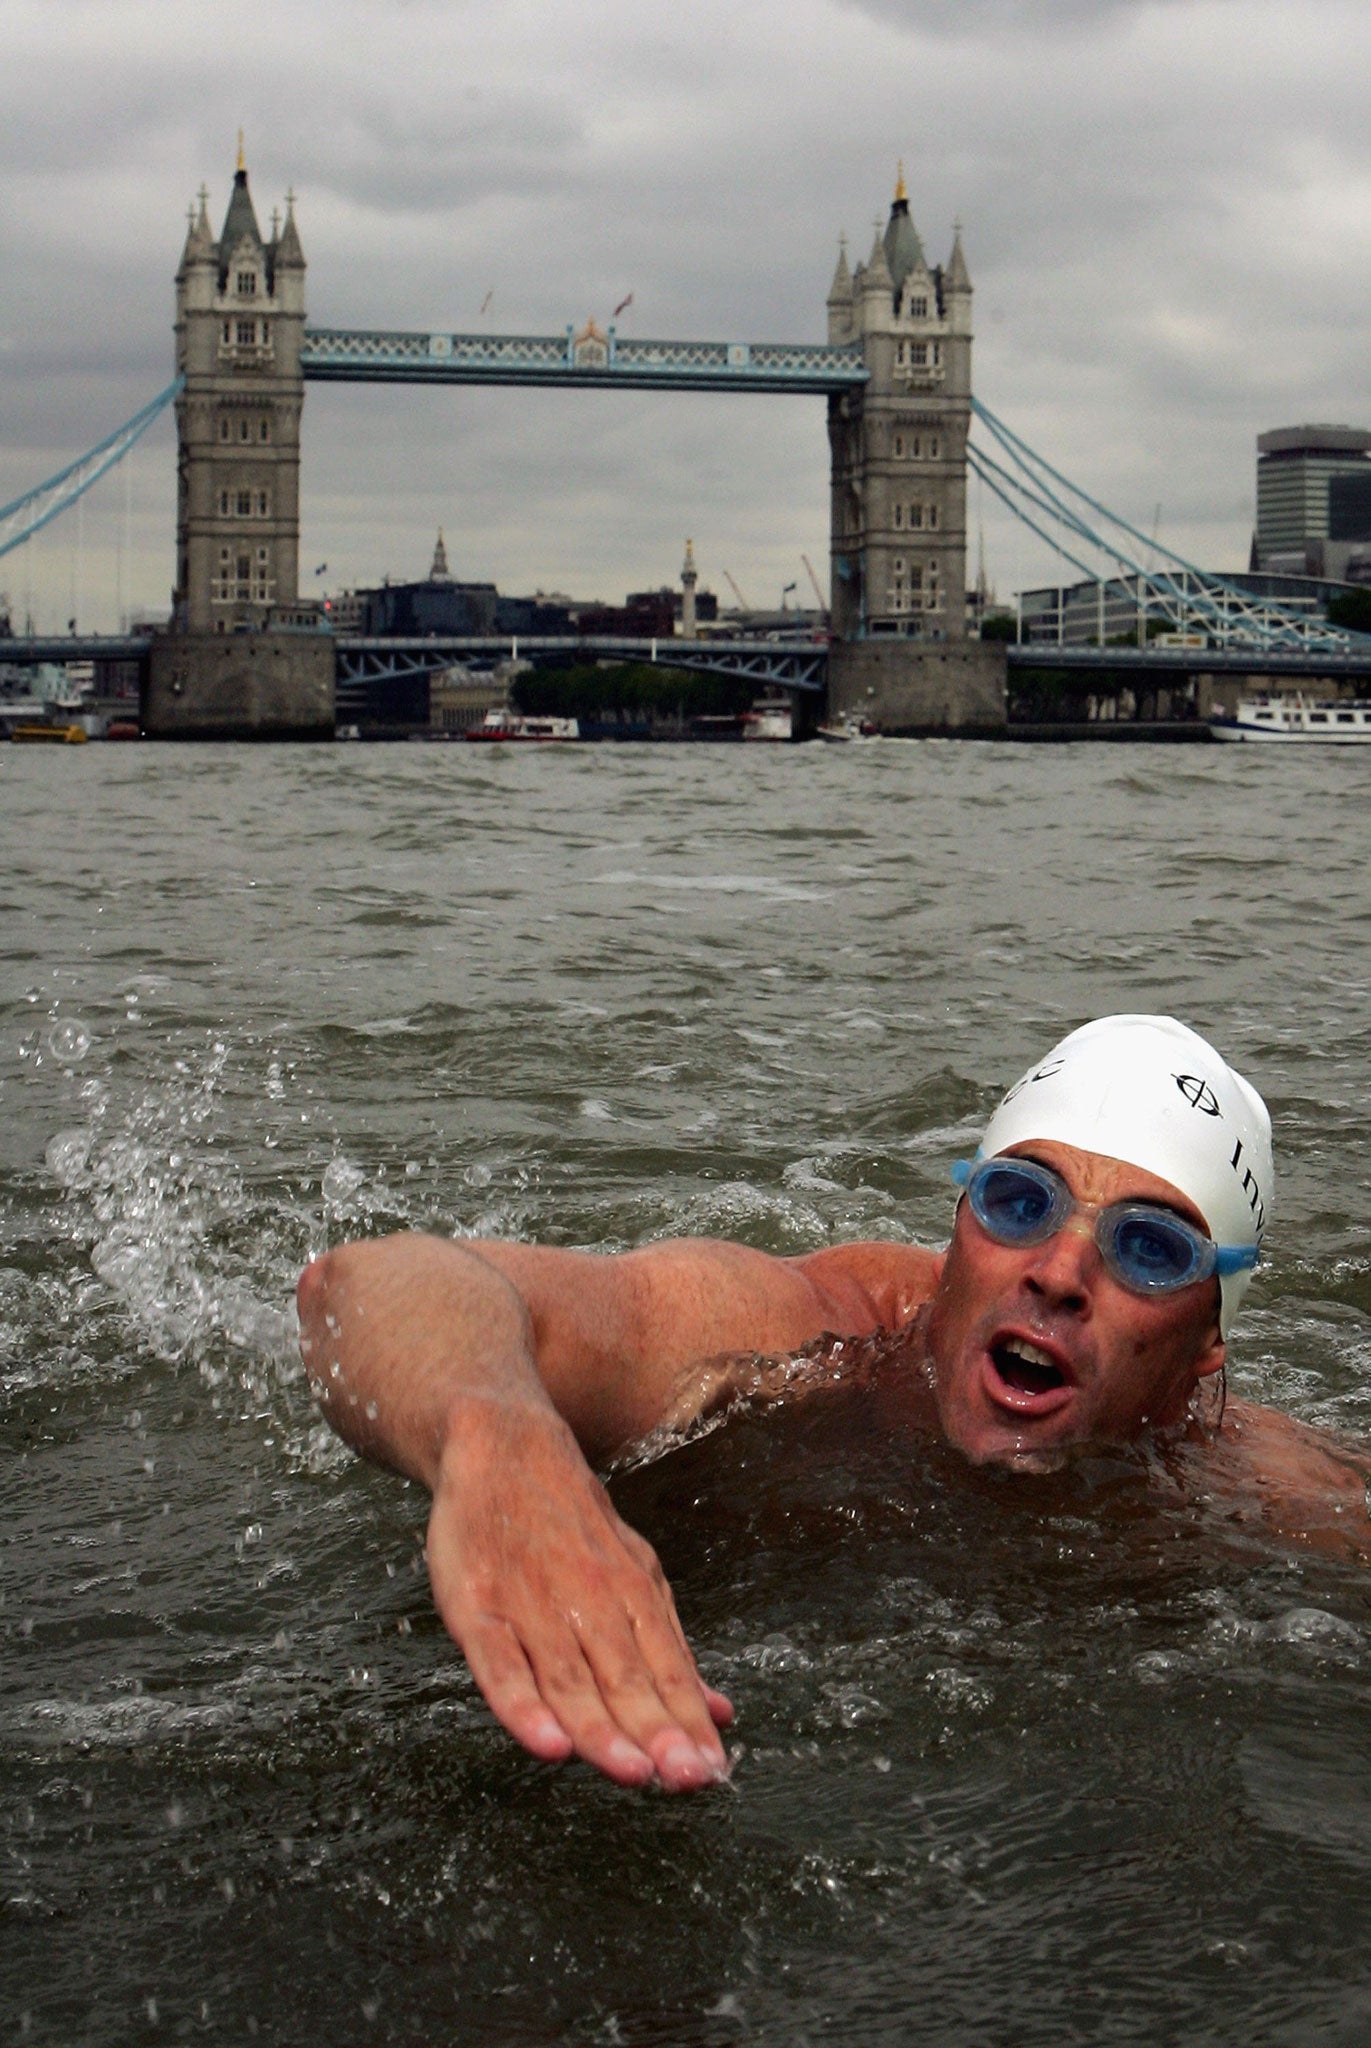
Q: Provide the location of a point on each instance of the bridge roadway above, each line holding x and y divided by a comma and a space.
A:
592, 360
26, 650
1319, 664
798, 664
795, 664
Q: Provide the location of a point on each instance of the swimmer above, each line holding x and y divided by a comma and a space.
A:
1105, 1235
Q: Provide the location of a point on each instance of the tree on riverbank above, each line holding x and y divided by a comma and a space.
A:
636, 694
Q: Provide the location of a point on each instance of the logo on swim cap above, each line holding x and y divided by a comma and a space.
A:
1198, 1093
1152, 1092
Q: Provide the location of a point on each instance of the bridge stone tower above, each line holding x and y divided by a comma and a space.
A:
240, 317
899, 445
239, 659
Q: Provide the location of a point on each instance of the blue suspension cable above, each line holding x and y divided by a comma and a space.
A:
103, 455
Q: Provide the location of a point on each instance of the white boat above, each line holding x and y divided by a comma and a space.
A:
771, 718
512, 725
839, 731
1307, 720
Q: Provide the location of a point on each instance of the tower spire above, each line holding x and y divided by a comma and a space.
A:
903, 249
242, 160
840, 291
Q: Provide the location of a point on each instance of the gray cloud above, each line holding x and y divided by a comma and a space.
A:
1164, 206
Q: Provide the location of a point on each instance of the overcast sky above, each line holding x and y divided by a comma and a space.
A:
1166, 210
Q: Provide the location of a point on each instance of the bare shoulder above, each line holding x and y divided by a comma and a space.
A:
883, 1284
1307, 1482
1276, 1447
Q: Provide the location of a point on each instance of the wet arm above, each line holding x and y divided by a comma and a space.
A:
484, 1371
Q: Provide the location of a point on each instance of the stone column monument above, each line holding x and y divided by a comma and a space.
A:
690, 576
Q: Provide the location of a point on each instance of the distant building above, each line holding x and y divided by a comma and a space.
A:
1072, 615
1311, 480
643, 615
531, 616
460, 697
439, 607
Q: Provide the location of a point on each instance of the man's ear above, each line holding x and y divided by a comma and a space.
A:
1212, 1358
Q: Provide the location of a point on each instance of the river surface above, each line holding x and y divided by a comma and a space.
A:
1018, 1762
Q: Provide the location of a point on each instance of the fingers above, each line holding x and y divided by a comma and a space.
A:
568, 1623
505, 1676
559, 1708
502, 1671
646, 1681
622, 1695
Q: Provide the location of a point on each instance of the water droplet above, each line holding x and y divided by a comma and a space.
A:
66, 1156
1314, 1625
341, 1180
69, 1041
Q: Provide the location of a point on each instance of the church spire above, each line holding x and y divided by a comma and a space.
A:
439, 572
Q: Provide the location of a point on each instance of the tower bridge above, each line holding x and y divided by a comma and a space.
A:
894, 370
246, 653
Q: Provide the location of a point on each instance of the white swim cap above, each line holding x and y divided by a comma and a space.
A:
1155, 1094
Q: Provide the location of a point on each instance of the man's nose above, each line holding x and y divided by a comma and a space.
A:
1064, 1266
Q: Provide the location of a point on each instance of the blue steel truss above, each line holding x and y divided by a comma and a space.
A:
791, 665
591, 359
24, 516
1076, 527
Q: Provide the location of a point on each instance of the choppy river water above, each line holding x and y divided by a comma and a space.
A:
1017, 1762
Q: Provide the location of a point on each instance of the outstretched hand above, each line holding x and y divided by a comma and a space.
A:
562, 1609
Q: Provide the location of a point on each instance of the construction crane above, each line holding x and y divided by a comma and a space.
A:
736, 592
809, 566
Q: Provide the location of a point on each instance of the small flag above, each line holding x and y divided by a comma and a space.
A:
623, 303
787, 587
487, 299
321, 569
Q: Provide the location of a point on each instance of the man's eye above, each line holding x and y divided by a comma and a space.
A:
1157, 1247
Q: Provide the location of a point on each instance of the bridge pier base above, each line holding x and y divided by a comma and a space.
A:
239, 686
920, 687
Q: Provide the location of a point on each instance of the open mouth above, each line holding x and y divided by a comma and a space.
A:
1026, 1378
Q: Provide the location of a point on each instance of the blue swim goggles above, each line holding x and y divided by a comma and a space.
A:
1148, 1249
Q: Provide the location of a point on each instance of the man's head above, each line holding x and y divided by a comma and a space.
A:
1073, 1333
